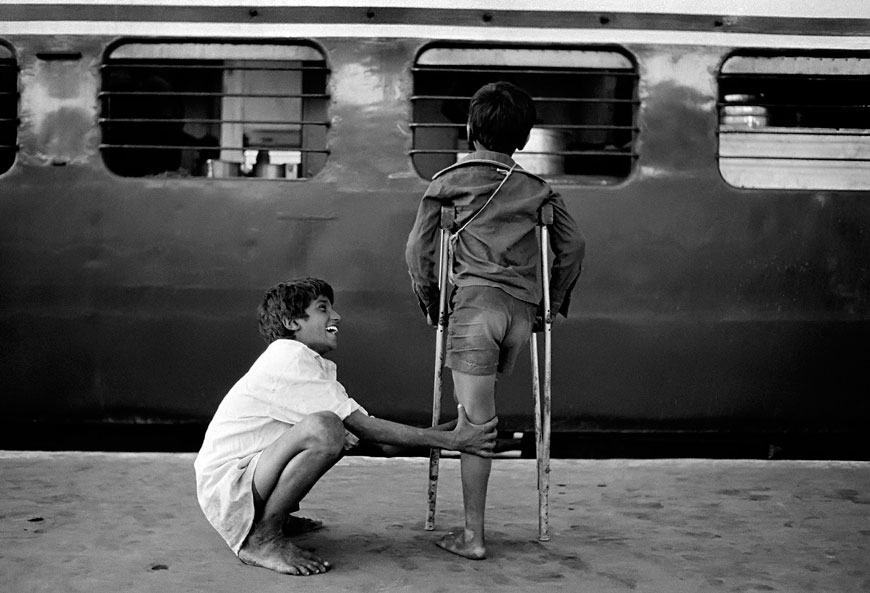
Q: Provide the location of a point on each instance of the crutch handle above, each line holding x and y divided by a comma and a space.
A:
447, 213
546, 214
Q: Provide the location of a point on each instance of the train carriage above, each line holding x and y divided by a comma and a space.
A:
163, 163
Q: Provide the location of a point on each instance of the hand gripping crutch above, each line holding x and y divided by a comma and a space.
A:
435, 453
542, 407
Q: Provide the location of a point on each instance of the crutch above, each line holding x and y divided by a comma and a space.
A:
542, 407
435, 453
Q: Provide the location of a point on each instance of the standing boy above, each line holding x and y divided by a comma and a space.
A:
493, 264
285, 423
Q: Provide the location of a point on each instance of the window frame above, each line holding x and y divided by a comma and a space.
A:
760, 155
310, 154
542, 146
9, 152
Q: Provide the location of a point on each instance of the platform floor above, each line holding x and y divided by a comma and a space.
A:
109, 522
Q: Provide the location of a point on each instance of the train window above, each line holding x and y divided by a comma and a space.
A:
586, 101
214, 110
799, 122
8, 108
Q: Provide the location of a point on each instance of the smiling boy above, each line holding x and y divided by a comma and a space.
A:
285, 423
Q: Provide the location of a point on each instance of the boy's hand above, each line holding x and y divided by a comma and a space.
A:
432, 314
350, 440
429, 304
476, 439
538, 324
446, 426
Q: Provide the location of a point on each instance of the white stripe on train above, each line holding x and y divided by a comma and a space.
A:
762, 8
481, 34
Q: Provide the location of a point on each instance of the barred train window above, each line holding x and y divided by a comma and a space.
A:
8, 108
795, 122
214, 110
586, 101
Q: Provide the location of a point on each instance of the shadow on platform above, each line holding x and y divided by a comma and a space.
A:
597, 444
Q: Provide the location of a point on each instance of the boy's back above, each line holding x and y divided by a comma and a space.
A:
498, 247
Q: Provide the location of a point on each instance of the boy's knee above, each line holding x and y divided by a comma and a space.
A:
324, 431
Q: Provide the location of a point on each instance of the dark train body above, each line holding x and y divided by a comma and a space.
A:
708, 304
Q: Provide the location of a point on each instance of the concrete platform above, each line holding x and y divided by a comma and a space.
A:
108, 522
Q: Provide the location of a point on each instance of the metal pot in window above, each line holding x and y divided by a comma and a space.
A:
220, 169
740, 112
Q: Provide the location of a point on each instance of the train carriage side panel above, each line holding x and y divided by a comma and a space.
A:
702, 306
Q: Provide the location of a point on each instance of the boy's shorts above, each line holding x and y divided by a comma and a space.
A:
487, 330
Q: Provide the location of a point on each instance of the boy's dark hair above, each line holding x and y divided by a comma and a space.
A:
288, 300
500, 117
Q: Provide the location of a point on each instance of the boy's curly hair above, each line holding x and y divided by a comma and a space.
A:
500, 117
288, 300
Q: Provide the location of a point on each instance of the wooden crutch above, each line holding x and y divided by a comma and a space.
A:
435, 453
542, 407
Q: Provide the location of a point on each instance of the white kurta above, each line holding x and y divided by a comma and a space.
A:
286, 383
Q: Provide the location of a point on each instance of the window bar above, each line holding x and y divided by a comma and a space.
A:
794, 77
792, 131
762, 103
536, 99
565, 152
210, 147
145, 120
157, 66
109, 94
793, 158
576, 72
537, 126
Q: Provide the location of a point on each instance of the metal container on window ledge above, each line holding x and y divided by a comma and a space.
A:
220, 169
269, 171
743, 113
545, 146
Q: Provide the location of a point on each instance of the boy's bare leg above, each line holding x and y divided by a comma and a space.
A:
298, 525
285, 473
477, 394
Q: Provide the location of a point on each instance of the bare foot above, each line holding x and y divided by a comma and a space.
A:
299, 525
465, 547
280, 555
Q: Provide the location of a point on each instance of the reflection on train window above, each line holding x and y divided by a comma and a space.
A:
800, 122
8, 108
214, 110
586, 101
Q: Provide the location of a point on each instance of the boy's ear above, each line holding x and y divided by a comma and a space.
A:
290, 324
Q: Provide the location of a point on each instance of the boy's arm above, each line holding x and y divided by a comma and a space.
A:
465, 437
569, 248
420, 254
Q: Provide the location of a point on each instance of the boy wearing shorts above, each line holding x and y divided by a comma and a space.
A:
493, 264
285, 423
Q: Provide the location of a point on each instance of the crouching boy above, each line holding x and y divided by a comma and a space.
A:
285, 423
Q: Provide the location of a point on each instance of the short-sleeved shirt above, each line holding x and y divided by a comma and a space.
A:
286, 383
